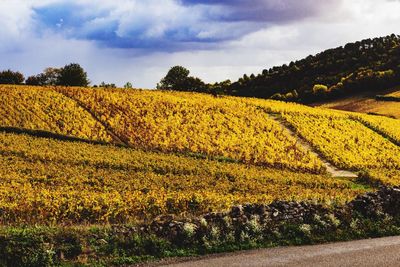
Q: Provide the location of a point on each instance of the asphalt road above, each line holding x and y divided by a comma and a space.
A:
383, 252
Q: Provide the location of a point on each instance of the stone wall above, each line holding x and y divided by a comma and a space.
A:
242, 227
256, 219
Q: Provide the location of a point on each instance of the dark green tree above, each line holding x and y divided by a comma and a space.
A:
128, 85
176, 79
11, 77
73, 75
107, 85
370, 64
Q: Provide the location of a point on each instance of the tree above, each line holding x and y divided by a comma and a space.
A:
35, 80
11, 77
218, 88
194, 84
379, 55
51, 76
278, 96
73, 75
107, 85
128, 85
32, 80
176, 79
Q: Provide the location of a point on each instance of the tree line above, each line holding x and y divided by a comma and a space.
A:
69, 75
367, 65
178, 79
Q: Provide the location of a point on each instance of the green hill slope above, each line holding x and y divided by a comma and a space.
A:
371, 64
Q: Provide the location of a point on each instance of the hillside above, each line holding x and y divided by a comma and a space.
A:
242, 131
385, 104
371, 64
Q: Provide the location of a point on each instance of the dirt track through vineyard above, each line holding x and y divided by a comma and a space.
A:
331, 169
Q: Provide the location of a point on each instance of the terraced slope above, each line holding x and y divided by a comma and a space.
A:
346, 140
387, 127
353, 141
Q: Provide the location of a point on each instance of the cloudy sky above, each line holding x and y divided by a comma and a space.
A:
139, 40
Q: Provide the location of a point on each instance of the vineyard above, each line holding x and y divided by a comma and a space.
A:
387, 126
44, 109
44, 180
178, 153
197, 124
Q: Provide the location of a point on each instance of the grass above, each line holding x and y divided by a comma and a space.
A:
124, 245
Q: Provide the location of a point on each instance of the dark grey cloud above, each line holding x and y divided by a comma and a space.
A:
273, 11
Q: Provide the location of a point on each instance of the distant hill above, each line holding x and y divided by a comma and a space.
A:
367, 65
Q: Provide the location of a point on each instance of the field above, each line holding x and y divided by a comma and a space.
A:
184, 122
179, 153
386, 126
48, 181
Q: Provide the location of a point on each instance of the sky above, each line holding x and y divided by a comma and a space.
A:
138, 41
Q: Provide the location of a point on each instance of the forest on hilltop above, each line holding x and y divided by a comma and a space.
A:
371, 64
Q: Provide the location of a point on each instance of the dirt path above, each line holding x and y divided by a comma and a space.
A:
331, 169
369, 252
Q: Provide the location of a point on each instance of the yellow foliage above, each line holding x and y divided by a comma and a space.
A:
196, 123
388, 126
49, 181
40, 108
347, 143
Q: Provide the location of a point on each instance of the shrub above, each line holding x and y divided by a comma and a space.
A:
23, 247
320, 90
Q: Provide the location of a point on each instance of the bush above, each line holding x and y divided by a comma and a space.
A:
25, 247
320, 90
